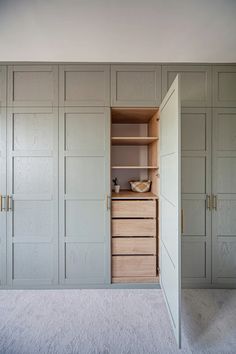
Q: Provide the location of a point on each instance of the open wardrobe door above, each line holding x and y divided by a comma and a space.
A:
170, 204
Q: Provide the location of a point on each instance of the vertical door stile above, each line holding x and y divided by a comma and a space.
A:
170, 204
3, 238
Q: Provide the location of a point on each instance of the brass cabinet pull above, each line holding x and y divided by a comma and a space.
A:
208, 202
182, 221
2, 208
9, 203
214, 202
108, 202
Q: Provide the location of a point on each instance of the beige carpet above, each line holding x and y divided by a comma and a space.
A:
114, 321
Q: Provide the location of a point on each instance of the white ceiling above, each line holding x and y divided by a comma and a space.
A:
118, 30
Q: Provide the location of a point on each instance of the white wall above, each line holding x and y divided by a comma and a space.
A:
118, 30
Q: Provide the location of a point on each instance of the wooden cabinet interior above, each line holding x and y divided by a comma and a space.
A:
134, 156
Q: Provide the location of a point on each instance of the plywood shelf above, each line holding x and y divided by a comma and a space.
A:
133, 140
135, 280
126, 194
132, 115
135, 167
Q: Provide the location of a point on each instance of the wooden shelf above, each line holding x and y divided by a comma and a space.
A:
137, 140
132, 115
126, 194
135, 280
135, 167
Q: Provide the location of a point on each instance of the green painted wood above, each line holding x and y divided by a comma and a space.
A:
170, 204
196, 185
32, 182
84, 188
135, 85
224, 86
3, 86
224, 187
196, 83
32, 85
84, 85
3, 194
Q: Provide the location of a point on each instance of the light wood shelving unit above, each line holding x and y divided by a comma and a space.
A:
135, 215
133, 140
129, 195
135, 167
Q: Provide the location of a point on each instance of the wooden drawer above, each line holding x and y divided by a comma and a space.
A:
134, 245
134, 209
128, 266
133, 227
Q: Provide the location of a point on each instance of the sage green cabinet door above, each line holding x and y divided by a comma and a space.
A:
84, 85
224, 86
32, 183
196, 186
170, 205
3, 86
224, 187
2, 195
196, 81
135, 85
32, 85
84, 189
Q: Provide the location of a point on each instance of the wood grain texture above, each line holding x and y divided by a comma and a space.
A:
133, 266
134, 245
135, 279
126, 194
134, 167
139, 140
132, 115
134, 227
133, 208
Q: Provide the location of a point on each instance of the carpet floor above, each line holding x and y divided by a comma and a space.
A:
114, 322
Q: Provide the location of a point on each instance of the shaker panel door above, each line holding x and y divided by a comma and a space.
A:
170, 205
84, 192
196, 190
84, 85
135, 85
32, 203
3, 214
224, 86
224, 190
195, 83
32, 85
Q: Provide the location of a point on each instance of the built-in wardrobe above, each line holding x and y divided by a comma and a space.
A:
68, 130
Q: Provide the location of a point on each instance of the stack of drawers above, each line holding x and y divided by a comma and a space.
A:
134, 245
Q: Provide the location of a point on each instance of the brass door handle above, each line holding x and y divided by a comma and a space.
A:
108, 202
2, 208
208, 202
214, 202
9, 202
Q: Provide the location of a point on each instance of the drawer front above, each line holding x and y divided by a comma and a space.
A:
134, 209
126, 266
133, 246
134, 227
